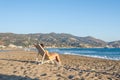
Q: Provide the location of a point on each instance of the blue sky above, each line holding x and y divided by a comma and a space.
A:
97, 18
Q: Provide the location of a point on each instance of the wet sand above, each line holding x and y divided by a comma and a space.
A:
21, 65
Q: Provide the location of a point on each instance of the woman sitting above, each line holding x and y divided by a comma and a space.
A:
52, 55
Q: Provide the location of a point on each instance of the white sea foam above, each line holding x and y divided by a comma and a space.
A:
95, 56
111, 54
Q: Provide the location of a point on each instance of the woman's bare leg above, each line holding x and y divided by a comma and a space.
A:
56, 57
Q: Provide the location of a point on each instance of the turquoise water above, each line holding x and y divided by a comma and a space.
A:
105, 53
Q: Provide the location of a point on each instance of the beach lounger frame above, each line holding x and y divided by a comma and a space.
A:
45, 57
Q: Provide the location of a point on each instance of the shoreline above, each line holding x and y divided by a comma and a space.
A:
89, 56
96, 52
97, 57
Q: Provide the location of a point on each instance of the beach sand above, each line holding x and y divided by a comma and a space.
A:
21, 65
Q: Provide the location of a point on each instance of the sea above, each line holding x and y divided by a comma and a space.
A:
104, 53
4, 50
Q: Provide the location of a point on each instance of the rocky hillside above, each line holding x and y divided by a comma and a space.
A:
53, 40
114, 44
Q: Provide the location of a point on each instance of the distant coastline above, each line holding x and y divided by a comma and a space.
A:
12, 40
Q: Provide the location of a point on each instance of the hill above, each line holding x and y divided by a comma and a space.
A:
53, 40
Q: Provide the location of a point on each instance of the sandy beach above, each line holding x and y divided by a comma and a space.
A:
21, 65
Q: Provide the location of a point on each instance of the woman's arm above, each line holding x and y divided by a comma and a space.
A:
47, 53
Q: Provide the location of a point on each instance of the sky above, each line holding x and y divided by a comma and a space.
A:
96, 18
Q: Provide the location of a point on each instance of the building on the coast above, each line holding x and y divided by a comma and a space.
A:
12, 46
2, 46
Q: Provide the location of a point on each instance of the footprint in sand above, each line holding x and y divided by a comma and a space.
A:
71, 76
44, 74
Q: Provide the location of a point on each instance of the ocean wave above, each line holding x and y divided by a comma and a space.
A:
95, 56
111, 54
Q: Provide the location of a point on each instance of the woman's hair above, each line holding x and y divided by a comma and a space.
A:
42, 45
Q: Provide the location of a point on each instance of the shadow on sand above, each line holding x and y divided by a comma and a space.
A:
14, 77
24, 61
